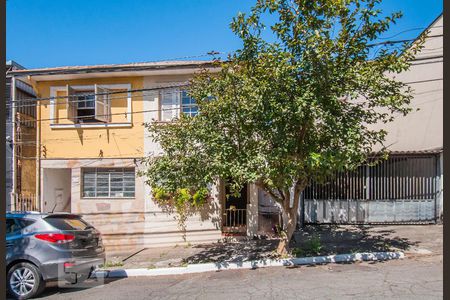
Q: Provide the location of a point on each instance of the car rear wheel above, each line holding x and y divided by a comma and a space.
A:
24, 281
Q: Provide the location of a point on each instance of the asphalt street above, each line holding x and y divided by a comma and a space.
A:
410, 278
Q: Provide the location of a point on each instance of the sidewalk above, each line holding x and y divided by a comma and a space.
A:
413, 240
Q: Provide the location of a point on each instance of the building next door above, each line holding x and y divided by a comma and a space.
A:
234, 219
56, 190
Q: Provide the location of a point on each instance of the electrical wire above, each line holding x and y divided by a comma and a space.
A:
407, 30
86, 100
122, 91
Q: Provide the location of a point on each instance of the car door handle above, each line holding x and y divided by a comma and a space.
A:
9, 244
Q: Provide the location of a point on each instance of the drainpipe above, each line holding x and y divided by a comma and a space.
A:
38, 147
13, 120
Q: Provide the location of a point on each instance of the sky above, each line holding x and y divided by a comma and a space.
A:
89, 32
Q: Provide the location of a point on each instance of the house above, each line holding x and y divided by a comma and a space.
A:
407, 188
20, 141
91, 139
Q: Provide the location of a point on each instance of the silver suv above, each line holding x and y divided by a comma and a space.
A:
44, 247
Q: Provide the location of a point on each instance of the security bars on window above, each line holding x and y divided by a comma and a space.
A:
108, 183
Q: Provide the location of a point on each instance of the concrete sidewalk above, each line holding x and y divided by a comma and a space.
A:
410, 239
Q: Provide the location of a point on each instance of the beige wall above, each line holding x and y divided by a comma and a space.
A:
422, 129
134, 223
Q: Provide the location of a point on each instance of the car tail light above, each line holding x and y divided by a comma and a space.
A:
68, 264
57, 238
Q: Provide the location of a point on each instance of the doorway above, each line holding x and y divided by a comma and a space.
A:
56, 190
235, 211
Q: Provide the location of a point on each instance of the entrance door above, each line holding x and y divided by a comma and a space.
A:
235, 212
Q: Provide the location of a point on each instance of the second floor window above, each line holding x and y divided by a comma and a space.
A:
174, 102
188, 105
89, 105
86, 106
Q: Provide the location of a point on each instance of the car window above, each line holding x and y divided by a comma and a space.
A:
24, 222
63, 223
12, 226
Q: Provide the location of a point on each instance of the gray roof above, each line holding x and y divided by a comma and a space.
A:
116, 67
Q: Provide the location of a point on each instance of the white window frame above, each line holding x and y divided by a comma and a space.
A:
53, 97
190, 105
179, 104
83, 170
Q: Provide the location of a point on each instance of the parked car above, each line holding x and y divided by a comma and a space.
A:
44, 247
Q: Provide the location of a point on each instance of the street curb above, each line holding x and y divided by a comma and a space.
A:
209, 267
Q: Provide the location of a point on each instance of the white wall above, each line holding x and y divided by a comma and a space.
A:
56, 189
161, 227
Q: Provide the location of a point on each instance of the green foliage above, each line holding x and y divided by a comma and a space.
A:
182, 201
199, 198
160, 194
285, 111
311, 247
112, 264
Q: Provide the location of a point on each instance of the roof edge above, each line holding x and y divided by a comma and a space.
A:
164, 65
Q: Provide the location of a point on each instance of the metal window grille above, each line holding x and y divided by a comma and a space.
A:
108, 183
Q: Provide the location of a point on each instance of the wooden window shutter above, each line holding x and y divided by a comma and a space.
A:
71, 104
102, 104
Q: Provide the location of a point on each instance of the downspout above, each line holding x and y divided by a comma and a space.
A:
38, 146
13, 120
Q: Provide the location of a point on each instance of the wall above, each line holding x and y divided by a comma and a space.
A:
91, 142
422, 129
201, 226
131, 224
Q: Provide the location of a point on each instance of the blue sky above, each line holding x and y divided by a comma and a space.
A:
81, 32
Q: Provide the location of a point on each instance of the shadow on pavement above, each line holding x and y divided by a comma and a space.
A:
336, 239
234, 252
61, 288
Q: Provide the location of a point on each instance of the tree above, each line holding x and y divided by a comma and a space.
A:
288, 109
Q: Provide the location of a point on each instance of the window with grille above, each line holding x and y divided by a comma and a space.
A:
108, 183
188, 105
173, 102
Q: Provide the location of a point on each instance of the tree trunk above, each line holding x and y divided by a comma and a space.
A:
289, 216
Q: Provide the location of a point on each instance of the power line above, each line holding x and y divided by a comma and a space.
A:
401, 41
104, 115
158, 110
122, 91
125, 91
86, 100
407, 30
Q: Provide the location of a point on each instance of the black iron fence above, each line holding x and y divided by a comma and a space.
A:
398, 190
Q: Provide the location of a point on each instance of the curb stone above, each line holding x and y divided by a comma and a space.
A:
253, 264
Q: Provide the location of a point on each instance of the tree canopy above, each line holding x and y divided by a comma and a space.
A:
288, 109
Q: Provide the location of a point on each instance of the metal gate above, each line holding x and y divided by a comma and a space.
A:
402, 189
